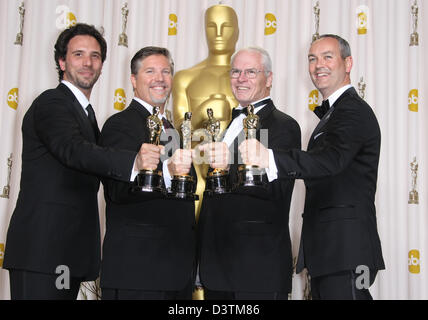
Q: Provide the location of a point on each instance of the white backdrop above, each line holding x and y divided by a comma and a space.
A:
395, 75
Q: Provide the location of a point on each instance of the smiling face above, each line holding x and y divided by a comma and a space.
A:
246, 90
328, 70
83, 63
153, 81
221, 29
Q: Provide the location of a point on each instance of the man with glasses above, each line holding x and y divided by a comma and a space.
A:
340, 245
245, 242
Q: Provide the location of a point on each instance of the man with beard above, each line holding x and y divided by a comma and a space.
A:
55, 226
149, 246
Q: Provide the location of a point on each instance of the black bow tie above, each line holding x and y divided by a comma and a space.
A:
167, 124
321, 110
236, 112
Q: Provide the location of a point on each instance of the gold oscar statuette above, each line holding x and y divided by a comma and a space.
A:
182, 185
207, 84
6, 189
249, 175
168, 115
413, 194
123, 38
317, 11
414, 37
20, 35
149, 180
307, 294
101, 30
217, 179
362, 88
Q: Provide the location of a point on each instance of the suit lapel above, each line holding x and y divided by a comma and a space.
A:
327, 116
141, 110
77, 109
145, 133
264, 123
144, 114
264, 115
322, 123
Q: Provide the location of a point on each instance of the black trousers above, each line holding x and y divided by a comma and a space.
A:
127, 294
228, 295
28, 285
340, 286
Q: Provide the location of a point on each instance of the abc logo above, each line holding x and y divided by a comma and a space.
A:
270, 24
12, 98
66, 18
413, 100
414, 261
1, 254
172, 25
313, 100
119, 99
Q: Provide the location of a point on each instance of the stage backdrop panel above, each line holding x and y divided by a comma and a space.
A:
389, 71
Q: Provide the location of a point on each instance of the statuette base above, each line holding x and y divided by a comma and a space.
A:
149, 181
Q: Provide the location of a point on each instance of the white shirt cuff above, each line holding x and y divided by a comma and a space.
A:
166, 175
134, 172
272, 171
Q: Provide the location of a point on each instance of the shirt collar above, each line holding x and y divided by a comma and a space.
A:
149, 107
239, 107
84, 102
333, 97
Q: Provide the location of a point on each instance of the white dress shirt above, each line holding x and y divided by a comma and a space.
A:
84, 102
335, 95
237, 126
166, 175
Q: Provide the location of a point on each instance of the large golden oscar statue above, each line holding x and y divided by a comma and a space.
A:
207, 85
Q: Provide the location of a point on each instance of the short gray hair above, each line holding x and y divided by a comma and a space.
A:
266, 60
344, 47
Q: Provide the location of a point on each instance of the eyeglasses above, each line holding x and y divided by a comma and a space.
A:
249, 73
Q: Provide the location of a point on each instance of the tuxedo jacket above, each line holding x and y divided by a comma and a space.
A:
340, 168
150, 240
244, 237
56, 219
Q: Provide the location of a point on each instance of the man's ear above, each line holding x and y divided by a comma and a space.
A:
269, 80
348, 64
133, 81
61, 64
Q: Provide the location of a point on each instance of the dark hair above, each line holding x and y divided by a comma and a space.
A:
64, 38
345, 49
150, 51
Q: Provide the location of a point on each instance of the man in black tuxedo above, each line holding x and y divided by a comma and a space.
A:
245, 241
340, 245
149, 247
53, 240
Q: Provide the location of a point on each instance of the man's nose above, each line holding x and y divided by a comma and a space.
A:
242, 77
159, 76
87, 61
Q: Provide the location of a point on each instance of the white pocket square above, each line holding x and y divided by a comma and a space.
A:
317, 135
